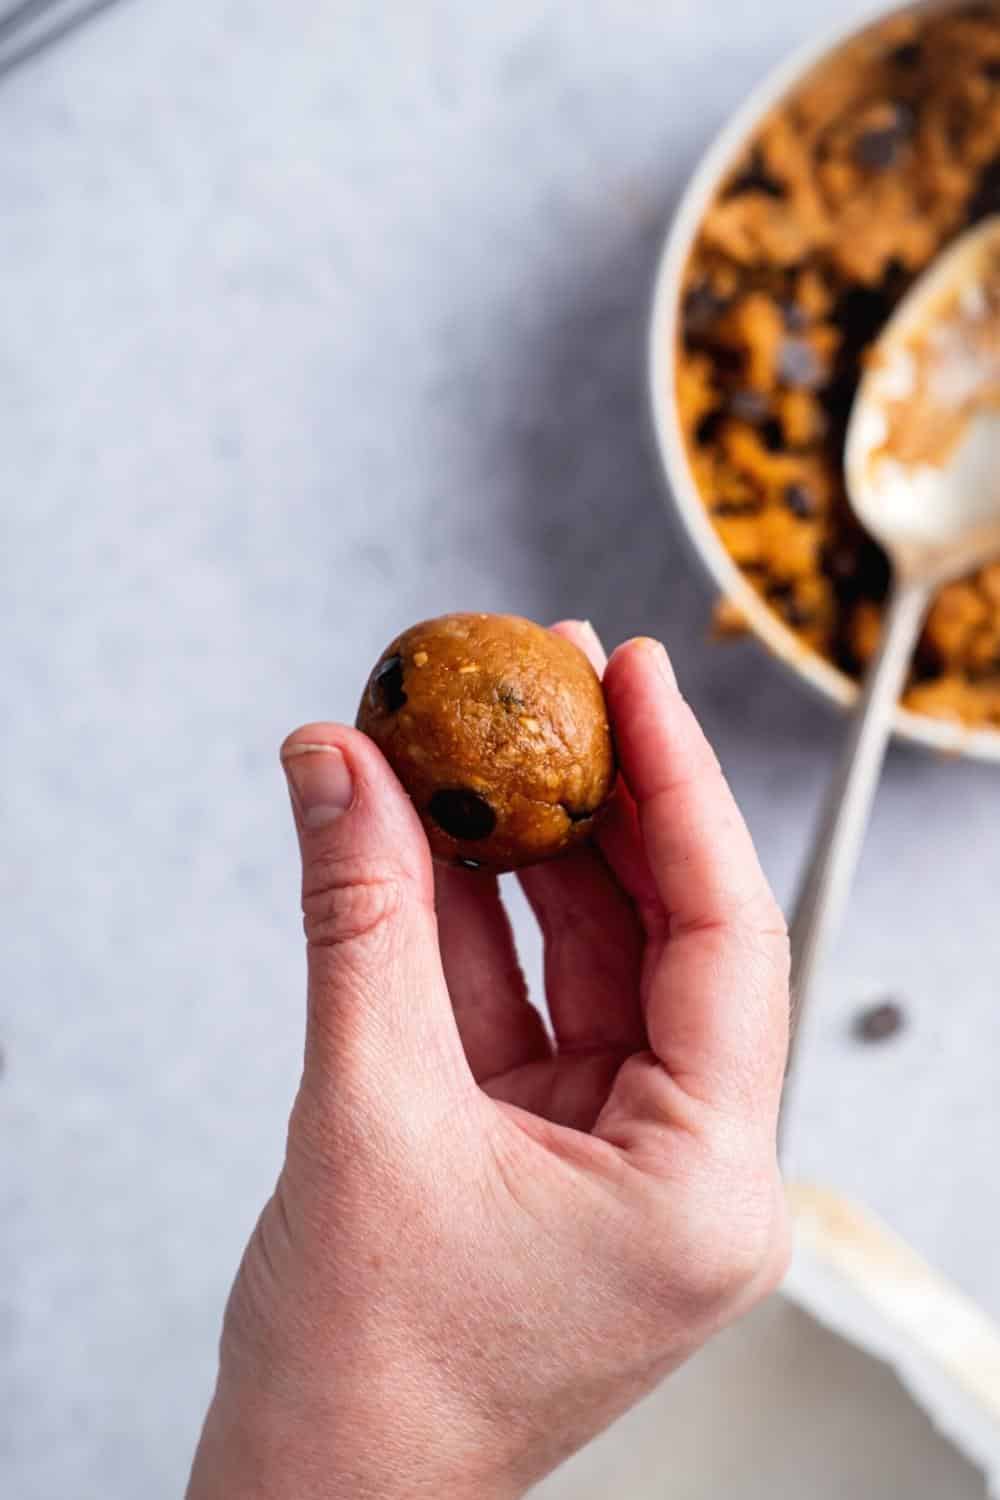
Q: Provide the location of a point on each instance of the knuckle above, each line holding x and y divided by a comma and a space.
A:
344, 903
761, 924
772, 927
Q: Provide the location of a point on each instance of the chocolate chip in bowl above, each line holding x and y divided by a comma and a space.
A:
808, 221
497, 729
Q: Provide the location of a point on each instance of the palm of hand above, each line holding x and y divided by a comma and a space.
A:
598, 965
647, 937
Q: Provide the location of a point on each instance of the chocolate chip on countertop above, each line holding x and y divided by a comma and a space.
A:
879, 1022
386, 689
462, 813
799, 364
798, 498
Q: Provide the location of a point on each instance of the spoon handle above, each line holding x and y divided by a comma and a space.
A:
840, 833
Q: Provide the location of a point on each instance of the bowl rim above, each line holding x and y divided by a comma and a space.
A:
947, 736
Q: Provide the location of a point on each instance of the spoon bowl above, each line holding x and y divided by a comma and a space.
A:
929, 487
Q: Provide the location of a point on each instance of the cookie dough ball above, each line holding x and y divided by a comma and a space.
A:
498, 731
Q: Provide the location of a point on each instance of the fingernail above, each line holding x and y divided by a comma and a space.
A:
658, 658
586, 629
320, 783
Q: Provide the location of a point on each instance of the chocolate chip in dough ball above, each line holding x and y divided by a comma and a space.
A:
463, 814
386, 688
498, 731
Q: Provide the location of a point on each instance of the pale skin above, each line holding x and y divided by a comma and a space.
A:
484, 1245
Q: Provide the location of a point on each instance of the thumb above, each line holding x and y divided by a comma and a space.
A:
379, 1023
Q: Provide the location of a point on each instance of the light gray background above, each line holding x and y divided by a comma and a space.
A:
317, 318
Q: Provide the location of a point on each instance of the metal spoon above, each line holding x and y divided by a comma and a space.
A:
936, 520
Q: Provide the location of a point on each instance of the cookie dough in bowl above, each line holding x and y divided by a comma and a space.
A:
498, 731
840, 181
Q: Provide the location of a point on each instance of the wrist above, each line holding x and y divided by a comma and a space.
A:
259, 1449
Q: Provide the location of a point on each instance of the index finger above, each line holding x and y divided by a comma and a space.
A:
717, 995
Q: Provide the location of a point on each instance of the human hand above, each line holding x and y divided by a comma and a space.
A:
481, 1249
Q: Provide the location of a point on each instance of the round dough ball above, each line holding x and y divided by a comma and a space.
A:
498, 731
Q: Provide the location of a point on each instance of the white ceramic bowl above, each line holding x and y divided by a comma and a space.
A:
821, 674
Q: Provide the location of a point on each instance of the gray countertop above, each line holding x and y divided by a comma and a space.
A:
318, 318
